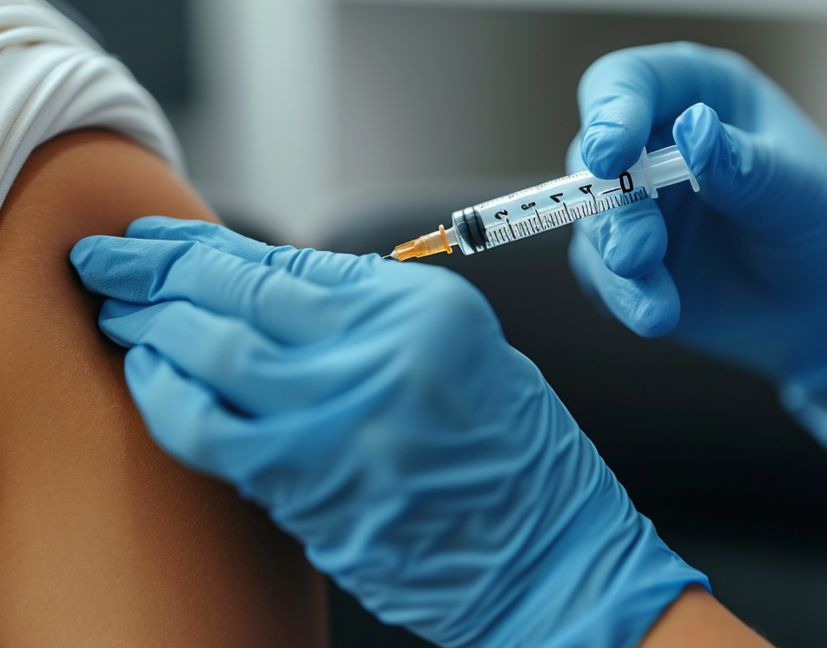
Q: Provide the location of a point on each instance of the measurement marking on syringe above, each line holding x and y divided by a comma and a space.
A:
544, 221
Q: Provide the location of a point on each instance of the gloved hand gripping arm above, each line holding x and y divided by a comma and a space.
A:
377, 412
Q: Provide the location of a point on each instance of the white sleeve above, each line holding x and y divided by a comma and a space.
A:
55, 78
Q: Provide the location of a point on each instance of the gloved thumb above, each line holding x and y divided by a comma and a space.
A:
739, 173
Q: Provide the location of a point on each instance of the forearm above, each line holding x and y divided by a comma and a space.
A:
105, 540
697, 619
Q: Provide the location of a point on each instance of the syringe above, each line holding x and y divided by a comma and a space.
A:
549, 205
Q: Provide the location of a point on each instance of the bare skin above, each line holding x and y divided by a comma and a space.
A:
697, 620
104, 539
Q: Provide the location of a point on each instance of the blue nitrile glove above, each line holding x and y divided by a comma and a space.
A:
377, 412
738, 270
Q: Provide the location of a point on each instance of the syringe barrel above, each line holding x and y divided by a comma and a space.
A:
562, 201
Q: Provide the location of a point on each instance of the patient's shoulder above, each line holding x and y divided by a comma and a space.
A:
95, 180
105, 540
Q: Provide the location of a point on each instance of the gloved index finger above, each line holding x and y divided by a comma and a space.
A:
623, 95
286, 307
165, 228
325, 268
632, 239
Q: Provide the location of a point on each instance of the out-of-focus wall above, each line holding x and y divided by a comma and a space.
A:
257, 133
309, 115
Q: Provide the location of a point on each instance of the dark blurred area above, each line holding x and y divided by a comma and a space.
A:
704, 450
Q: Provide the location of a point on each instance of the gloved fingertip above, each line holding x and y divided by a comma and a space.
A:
140, 364
655, 307
82, 251
655, 318
698, 132
92, 259
638, 249
608, 149
111, 328
115, 309
125, 324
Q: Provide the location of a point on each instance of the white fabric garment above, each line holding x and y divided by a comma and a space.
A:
55, 78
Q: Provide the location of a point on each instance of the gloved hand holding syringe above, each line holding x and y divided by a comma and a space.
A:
549, 205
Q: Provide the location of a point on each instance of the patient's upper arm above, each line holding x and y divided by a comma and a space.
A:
105, 540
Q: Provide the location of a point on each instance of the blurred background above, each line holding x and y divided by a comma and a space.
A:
355, 124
